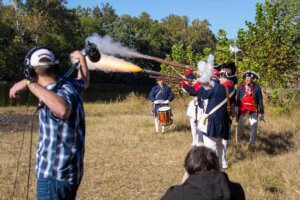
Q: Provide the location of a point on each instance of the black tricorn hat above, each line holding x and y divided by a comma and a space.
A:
233, 78
250, 74
217, 67
230, 66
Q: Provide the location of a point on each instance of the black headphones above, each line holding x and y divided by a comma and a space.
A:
28, 68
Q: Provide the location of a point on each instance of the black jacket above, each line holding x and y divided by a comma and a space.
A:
211, 185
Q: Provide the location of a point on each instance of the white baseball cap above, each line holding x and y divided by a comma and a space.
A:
36, 58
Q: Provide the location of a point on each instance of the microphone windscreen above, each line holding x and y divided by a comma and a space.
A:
92, 52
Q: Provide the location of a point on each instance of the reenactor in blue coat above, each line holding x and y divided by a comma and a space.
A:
160, 95
249, 105
220, 98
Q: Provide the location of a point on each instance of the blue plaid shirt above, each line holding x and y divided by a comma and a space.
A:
60, 148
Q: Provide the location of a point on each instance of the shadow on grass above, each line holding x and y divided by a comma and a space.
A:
268, 143
273, 190
181, 128
275, 143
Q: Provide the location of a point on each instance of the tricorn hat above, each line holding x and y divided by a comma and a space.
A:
230, 66
217, 67
251, 74
233, 78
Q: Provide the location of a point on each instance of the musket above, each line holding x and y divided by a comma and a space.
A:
167, 62
159, 74
165, 79
172, 63
168, 79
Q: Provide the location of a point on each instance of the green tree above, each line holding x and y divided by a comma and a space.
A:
271, 43
97, 20
108, 16
7, 35
182, 55
177, 28
197, 35
222, 51
96, 12
200, 36
142, 34
83, 12
271, 47
40, 23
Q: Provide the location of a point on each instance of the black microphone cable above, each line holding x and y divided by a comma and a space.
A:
94, 55
30, 151
21, 149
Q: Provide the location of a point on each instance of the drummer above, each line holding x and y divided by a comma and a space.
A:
160, 95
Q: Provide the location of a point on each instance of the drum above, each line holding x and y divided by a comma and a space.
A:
164, 116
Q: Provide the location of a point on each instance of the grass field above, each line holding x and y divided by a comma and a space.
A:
125, 159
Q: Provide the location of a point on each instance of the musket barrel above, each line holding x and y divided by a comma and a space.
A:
165, 79
175, 64
159, 74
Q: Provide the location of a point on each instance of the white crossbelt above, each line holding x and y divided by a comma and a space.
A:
220, 104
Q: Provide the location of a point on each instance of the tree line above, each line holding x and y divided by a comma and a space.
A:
52, 24
270, 45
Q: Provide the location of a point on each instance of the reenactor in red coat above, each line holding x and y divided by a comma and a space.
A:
249, 105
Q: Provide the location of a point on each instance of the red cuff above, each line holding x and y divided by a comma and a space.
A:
188, 72
217, 73
197, 86
183, 83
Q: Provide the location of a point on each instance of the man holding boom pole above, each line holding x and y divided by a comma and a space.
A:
60, 149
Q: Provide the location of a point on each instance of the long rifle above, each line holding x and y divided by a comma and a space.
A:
159, 74
167, 79
167, 62
172, 63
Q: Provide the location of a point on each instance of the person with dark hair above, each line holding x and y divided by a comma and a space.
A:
60, 149
161, 95
203, 179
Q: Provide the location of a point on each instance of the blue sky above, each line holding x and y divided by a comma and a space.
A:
229, 15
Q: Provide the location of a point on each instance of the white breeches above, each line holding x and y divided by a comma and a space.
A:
218, 145
253, 126
197, 135
156, 122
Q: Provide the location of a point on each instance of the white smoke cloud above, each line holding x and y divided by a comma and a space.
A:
206, 70
211, 59
107, 45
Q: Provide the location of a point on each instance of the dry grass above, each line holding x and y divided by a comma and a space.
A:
125, 159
